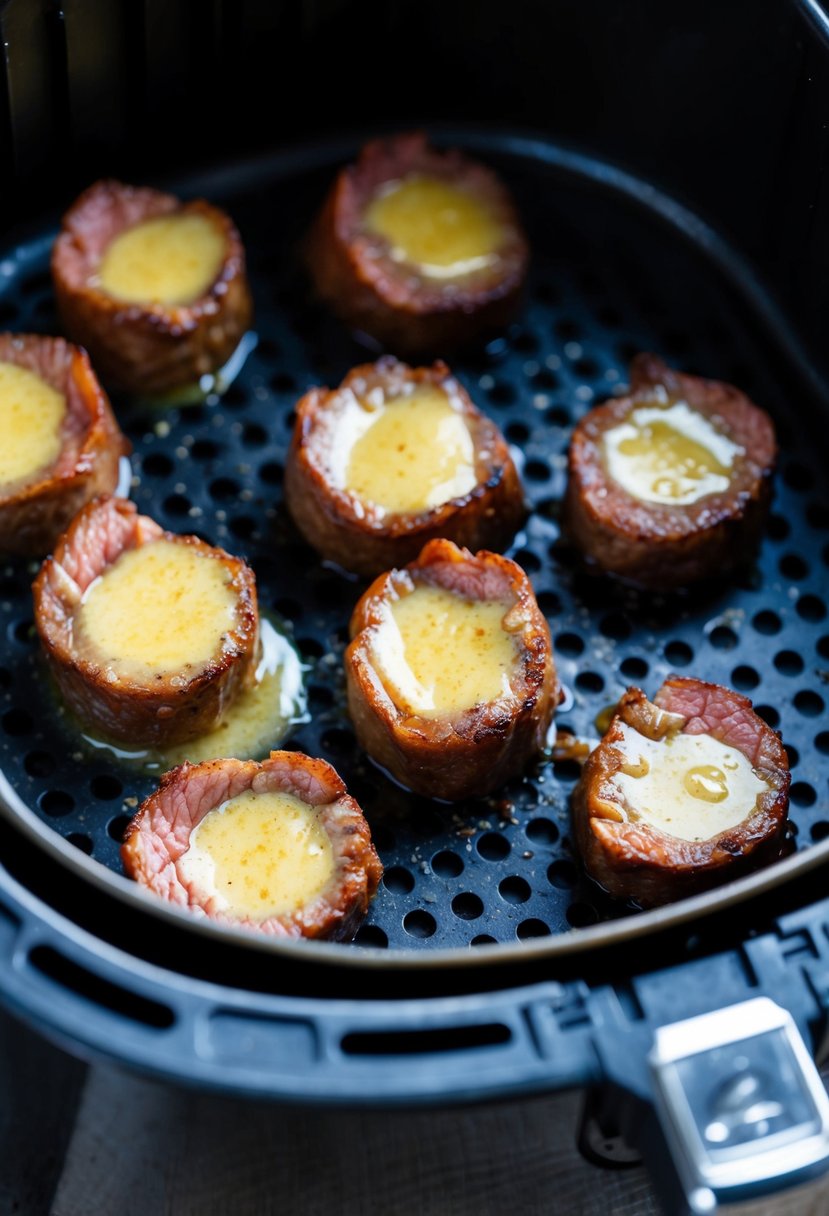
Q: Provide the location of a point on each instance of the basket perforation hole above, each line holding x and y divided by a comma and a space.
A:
204, 449
822, 742
468, 906
558, 415
81, 841
492, 846
793, 755
118, 826
24, 631
590, 682
810, 608
157, 464
398, 880
744, 678
106, 787
371, 935
542, 832
634, 668
502, 393
678, 654
56, 803
39, 764
788, 662
580, 914
223, 489
447, 864
272, 473
793, 567
532, 928
549, 603
802, 794
514, 889
419, 923
769, 715
723, 637
562, 874
809, 703
822, 647
615, 625
254, 435
569, 644
537, 470
767, 622
177, 504
528, 561
517, 432
482, 939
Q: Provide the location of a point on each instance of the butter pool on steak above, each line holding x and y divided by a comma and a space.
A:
149, 635
61, 445
394, 457
277, 846
682, 793
154, 288
670, 484
419, 248
450, 674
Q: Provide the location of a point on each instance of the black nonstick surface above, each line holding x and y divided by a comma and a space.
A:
610, 277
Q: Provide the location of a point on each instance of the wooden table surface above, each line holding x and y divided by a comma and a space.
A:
95, 1141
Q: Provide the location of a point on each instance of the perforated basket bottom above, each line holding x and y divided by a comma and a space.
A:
608, 279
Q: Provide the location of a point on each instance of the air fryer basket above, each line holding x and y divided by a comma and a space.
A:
617, 268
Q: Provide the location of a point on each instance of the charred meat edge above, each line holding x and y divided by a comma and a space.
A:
656, 545
409, 313
156, 714
159, 834
478, 750
362, 538
635, 861
34, 511
146, 348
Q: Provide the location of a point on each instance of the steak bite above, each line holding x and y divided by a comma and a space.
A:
419, 248
61, 445
682, 794
450, 674
392, 458
671, 484
150, 636
277, 846
154, 288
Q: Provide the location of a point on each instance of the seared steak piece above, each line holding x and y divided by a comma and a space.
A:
279, 847
61, 444
682, 794
150, 636
420, 249
394, 457
450, 674
163, 309
671, 484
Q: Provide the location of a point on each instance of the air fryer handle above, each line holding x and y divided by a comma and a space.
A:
740, 1106
727, 1104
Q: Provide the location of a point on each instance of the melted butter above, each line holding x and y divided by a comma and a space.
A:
442, 229
31, 416
669, 453
410, 453
172, 259
255, 723
163, 607
690, 786
439, 653
259, 854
